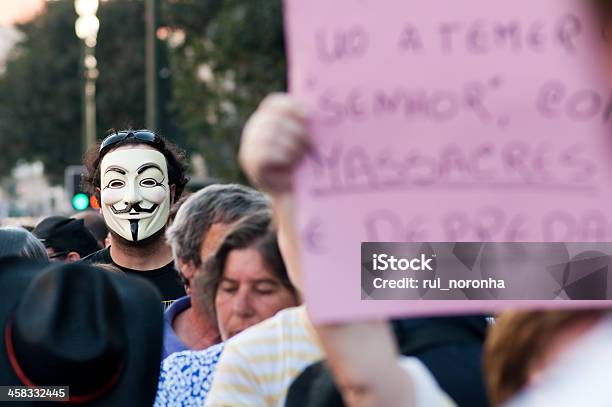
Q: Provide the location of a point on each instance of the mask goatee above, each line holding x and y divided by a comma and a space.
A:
134, 229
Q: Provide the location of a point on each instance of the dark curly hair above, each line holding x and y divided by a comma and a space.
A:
175, 158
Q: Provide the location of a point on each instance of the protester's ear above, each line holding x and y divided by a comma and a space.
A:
73, 256
187, 270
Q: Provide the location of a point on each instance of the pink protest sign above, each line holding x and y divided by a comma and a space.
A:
444, 121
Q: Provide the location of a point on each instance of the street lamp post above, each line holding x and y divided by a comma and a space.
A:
86, 27
151, 65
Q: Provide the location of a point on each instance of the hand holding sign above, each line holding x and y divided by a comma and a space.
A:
273, 143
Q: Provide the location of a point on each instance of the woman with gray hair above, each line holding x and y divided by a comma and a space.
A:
16, 241
244, 283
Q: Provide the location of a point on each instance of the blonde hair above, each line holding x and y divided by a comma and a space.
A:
516, 341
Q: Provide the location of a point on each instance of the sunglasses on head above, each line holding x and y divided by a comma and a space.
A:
145, 136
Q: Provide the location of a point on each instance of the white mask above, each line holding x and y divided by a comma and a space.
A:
135, 192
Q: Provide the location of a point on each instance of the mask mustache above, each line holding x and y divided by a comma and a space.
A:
136, 206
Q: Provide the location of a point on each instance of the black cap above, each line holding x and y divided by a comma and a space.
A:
66, 234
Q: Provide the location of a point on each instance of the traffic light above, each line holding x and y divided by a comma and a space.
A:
80, 202
72, 183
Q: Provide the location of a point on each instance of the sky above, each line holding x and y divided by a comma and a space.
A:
12, 11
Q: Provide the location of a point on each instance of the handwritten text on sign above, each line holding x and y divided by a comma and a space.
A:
444, 121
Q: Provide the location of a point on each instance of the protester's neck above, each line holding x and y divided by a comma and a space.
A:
153, 255
195, 328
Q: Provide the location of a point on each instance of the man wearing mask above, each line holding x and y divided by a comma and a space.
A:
137, 175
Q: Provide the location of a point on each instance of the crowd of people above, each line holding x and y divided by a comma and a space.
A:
170, 298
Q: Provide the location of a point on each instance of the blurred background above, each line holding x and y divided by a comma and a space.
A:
70, 70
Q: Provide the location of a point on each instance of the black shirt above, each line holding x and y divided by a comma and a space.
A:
166, 278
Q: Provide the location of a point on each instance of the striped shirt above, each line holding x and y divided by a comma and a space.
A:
258, 365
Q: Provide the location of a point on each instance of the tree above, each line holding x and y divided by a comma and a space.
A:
40, 91
224, 56
231, 57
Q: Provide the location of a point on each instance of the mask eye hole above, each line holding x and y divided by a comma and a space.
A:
116, 184
148, 183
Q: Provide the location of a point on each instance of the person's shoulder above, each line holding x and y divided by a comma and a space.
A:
101, 256
268, 332
284, 319
191, 358
179, 305
170, 268
210, 354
